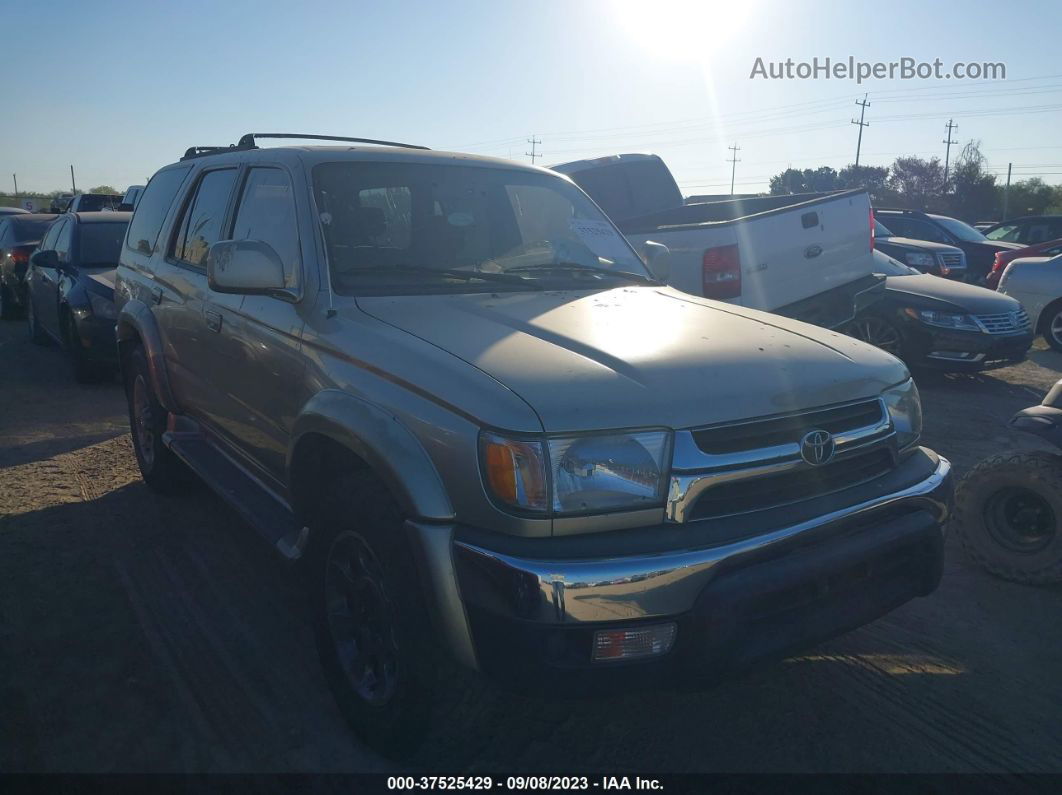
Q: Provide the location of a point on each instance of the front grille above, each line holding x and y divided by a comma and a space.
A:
953, 261
1005, 323
771, 491
787, 430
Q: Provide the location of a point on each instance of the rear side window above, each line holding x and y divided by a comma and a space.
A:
203, 217
152, 208
267, 213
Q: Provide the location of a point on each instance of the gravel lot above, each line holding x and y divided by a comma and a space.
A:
142, 634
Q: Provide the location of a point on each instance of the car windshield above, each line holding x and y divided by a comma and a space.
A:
880, 230
101, 243
394, 228
888, 266
1006, 232
962, 231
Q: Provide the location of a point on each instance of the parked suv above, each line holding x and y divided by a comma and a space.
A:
922, 255
449, 388
979, 250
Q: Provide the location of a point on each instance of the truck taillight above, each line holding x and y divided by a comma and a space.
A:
722, 272
21, 255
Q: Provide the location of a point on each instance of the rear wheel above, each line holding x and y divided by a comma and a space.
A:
878, 331
161, 469
374, 637
1008, 511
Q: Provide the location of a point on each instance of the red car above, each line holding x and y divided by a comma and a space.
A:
1051, 248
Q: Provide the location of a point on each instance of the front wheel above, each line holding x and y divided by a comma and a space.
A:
1008, 511
36, 333
878, 331
1052, 326
374, 637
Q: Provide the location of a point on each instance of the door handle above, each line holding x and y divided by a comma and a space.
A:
213, 320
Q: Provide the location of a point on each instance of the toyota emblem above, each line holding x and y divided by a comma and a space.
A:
817, 447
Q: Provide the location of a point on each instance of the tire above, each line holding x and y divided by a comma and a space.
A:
163, 471
36, 334
1008, 516
878, 331
363, 586
1051, 325
84, 371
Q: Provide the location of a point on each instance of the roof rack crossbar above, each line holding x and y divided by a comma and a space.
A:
248, 140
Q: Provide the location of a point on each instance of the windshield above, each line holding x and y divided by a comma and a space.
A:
880, 230
101, 243
888, 266
1007, 232
964, 232
413, 227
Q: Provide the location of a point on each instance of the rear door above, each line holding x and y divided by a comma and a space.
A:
197, 324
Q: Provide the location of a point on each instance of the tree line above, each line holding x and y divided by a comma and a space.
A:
914, 183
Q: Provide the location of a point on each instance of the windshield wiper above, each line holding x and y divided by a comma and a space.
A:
453, 273
578, 266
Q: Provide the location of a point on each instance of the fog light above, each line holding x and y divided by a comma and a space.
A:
630, 644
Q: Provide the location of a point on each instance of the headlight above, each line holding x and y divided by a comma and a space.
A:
102, 307
952, 320
585, 474
905, 410
920, 260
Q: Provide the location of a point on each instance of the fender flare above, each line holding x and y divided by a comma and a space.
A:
381, 440
136, 321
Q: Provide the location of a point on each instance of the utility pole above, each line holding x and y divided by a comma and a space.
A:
947, 152
533, 153
15, 177
1006, 193
73, 186
863, 104
733, 161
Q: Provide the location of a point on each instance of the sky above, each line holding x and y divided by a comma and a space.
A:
119, 89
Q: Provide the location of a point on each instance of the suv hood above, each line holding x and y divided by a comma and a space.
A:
641, 356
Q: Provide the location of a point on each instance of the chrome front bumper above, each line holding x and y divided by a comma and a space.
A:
603, 589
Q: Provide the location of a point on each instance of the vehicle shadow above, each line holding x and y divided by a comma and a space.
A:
12, 455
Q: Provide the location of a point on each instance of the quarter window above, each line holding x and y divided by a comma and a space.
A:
152, 208
204, 216
267, 213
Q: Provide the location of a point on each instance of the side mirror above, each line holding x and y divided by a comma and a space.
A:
658, 259
245, 267
45, 259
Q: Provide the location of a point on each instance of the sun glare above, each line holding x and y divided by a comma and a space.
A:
684, 29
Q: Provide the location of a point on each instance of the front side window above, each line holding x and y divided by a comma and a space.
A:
414, 227
152, 208
203, 217
62, 240
267, 212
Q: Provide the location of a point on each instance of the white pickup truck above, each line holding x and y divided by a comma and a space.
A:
807, 256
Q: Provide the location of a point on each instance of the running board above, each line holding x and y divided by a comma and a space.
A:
258, 507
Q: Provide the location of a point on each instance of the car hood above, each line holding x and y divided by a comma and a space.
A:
967, 298
917, 245
642, 356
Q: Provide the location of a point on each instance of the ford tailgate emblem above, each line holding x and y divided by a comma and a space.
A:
812, 251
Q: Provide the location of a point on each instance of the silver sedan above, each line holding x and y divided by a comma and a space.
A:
1037, 283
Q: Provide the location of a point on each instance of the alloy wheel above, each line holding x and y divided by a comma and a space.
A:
143, 421
1020, 520
878, 333
1055, 329
361, 619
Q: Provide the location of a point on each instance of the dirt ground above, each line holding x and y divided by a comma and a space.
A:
140, 633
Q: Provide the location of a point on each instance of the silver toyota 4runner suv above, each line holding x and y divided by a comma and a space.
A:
450, 390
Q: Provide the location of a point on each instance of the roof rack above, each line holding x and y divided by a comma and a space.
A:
248, 140
199, 151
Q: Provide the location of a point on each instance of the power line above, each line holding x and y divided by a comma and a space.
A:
733, 160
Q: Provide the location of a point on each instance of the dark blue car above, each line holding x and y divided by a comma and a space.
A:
70, 289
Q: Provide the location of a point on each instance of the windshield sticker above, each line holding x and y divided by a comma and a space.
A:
601, 238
